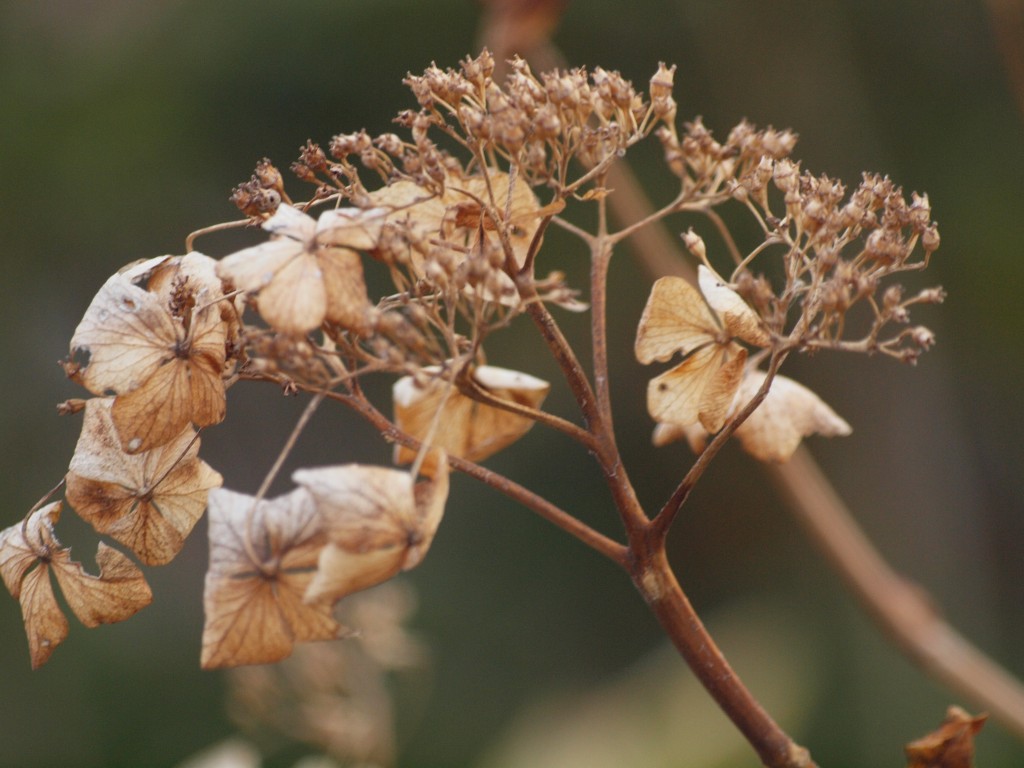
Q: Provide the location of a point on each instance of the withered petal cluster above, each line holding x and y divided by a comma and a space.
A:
278, 566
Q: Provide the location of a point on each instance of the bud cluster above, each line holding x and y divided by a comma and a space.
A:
839, 252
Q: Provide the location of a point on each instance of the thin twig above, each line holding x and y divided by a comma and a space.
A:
469, 387
663, 521
683, 626
538, 504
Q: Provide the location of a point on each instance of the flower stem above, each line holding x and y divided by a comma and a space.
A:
654, 578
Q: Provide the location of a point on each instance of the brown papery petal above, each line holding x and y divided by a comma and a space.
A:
150, 501
739, 319
718, 395
118, 592
789, 413
700, 388
347, 301
295, 301
45, 624
363, 508
466, 428
675, 319
128, 334
262, 557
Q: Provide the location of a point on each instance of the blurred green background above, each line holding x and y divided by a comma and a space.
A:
124, 126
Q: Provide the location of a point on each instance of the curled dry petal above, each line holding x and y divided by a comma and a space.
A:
148, 501
262, 558
951, 745
163, 369
789, 413
466, 427
739, 319
377, 521
30, 549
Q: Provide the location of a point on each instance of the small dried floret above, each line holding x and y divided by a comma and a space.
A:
480, 69
345, 144
662, 82
268, 176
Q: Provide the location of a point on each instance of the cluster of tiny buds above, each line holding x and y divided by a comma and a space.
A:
529, 119
260, 196
699, 159
535, 123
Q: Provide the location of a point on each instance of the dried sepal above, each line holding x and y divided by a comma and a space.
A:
147, 501
378, 521
675, 319
29, 550
466, 427
475, 215
678, 318
789, 413
355, 228
161, 355
262, 558
701, 388
300, 279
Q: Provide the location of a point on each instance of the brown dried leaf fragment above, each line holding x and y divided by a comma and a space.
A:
951, 745
147, 501
675, 319
378, 523
164, 368
30, 549
468, 429
300, 277
262, 558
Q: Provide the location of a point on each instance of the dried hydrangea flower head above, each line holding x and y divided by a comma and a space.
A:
414, 254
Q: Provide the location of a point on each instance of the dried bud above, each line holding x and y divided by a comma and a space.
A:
304, 172
695, 244
71, 406
932, 295
930, 239
923, 337
662, 81
891, 301
389, 143
268, 176
480, 69
344, 144
920, 212
313, 157
786, 176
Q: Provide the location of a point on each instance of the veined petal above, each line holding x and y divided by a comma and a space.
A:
675, 319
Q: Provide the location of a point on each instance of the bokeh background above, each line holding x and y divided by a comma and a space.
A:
124, 126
